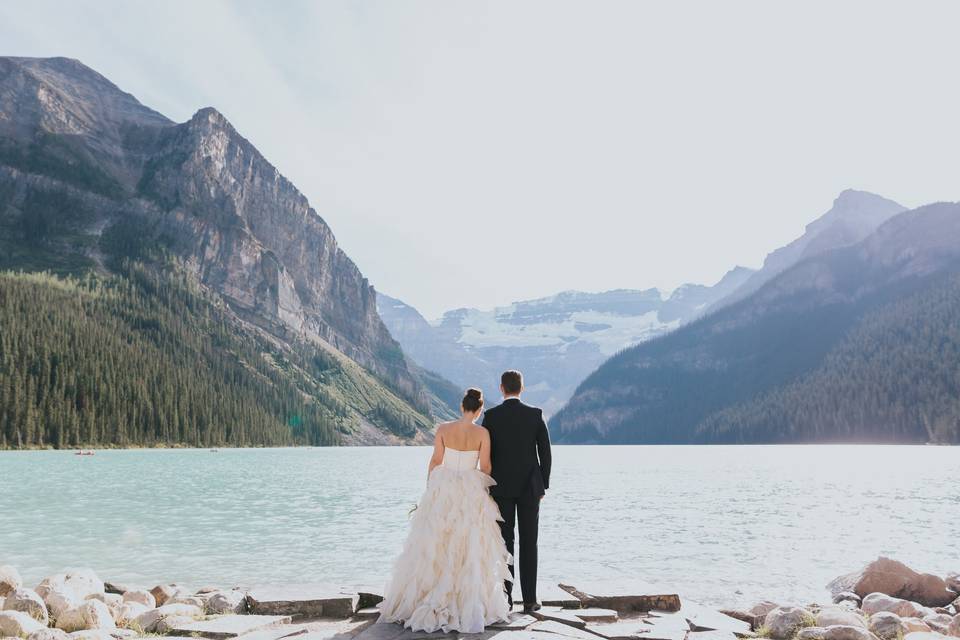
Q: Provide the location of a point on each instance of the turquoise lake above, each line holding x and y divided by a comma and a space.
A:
723, 525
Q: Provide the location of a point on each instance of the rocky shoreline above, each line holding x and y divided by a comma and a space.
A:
886, 600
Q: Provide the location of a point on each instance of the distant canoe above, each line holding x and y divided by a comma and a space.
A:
84, 452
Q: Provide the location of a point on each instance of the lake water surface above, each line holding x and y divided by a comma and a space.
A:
723, 525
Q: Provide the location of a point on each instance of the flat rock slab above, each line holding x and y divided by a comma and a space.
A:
367, 597
381, 631
368, 613
551, 595
283, 631
565, 616
560, 629
661, 622
331, 630
394, 631
518, 635
596, 615
229, 626
633, 629
311, 601
517, 621
711, 635
703, 618
624, 597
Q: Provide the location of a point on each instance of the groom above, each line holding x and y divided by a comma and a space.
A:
520, 453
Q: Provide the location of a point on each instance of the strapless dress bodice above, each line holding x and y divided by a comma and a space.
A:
460, 460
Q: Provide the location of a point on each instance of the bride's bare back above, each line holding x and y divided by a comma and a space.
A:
462, 435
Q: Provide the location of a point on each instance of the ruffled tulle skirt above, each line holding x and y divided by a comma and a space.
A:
451, 571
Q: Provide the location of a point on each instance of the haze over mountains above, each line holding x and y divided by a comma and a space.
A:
855, 339
556, 341
93, 182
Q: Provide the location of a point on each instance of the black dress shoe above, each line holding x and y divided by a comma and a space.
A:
530, 607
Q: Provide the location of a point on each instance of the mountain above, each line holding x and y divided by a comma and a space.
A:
93, 182
555, 341
856, 343
853, 216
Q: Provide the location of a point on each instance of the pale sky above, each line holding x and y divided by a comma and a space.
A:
477, 153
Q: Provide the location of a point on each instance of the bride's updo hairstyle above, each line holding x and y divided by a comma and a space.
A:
473, 400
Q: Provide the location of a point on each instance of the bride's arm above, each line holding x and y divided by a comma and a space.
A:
485, 465
437, 458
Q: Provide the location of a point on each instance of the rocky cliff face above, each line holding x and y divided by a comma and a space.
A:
81, 162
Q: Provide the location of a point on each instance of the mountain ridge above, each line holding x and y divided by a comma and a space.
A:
555, 340
90, 178
697, 383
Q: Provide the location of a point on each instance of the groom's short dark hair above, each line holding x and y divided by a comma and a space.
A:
512, 381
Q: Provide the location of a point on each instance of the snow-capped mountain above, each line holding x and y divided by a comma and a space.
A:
556, 341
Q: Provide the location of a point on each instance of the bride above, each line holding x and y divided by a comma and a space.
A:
451, 572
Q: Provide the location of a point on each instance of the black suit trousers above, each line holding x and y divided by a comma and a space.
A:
522, 512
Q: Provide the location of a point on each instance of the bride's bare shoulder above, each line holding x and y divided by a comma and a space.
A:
443, 426
482, 431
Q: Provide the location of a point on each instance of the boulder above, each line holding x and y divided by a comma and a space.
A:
875, 602
953, 581
29, 602
938, 622
887, 625
893, 578
924, 635
17, 624
846, 596
226, 602
141, 596
92, 614
49, 634
59, 600
161, 593
92, 634
847, 632
117, 587
50, 583
170, 624
783, 622
84, 582
128, 612
148, 620
10, 580
912, 625
763, 608
58, 595
953, 629
113, 601
184, 598
811, 633
833, 616
754, 616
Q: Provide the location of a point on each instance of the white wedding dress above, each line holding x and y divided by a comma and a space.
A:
450, 573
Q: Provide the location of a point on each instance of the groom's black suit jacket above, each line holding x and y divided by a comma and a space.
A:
519, 449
